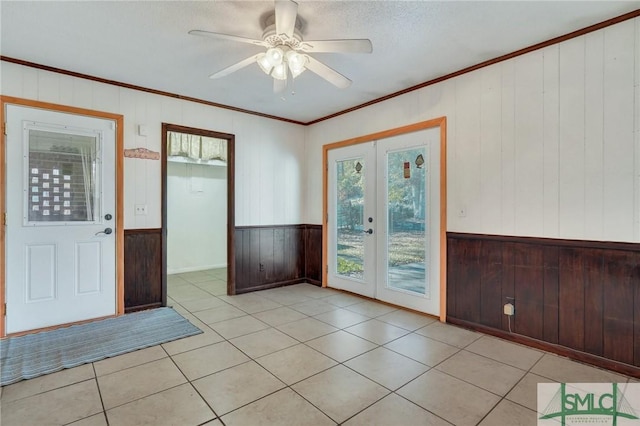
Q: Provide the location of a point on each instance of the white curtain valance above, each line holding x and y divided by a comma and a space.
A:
196, 147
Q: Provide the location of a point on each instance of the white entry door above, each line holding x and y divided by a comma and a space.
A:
384, 220
60, 233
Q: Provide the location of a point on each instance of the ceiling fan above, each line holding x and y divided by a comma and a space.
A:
287, 54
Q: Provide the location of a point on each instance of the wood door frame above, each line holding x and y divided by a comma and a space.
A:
441, 123
119, 175
230, 138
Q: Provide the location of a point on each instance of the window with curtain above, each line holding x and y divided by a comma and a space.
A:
196, 149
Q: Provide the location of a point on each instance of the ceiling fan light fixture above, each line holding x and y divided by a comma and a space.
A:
264, 63
295, 73
287, 54
274, 55
279, 71
296, 62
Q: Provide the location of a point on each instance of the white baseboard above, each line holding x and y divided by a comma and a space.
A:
194, 268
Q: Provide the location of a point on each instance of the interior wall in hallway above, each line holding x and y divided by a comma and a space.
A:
196, 217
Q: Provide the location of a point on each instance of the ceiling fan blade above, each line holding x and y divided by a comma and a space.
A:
235, 67
279, 85
286, 14
329, 74
230, 37
338, 46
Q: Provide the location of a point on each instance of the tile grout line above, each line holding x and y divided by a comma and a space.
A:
503, 398
343, 363
303, 343
251, 359
195, 389
290, 387
95, 377
459, 349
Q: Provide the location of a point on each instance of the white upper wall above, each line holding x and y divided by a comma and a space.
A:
269, 154
546, 144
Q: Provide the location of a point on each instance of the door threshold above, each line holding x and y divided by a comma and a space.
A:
55, 327
382, 302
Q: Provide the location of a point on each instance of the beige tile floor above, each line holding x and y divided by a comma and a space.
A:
299, 355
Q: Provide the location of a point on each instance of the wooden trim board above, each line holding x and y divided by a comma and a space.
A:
584, 357
541, 45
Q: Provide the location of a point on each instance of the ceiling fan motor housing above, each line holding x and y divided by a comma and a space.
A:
273, 39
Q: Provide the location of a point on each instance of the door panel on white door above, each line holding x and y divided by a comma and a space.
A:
41, 272
61, 266
88, 267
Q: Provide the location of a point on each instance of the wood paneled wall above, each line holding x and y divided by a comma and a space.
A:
143, 284
273, 256
313, 254
266, 256
577, 298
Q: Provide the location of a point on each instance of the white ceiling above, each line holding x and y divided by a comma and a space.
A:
145, 43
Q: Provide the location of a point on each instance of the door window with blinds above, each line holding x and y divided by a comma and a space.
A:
62, 179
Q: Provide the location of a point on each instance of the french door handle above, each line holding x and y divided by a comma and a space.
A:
368, 231
106, 231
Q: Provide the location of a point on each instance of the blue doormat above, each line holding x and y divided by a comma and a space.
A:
33, 355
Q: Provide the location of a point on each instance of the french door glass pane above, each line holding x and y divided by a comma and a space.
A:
350, 180
61, 177
406, 210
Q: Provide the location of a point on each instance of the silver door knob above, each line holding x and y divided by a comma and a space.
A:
106, 231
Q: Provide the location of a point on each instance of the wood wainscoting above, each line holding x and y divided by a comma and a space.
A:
143, 284
313, 254
266, 257
278, 255
579, 299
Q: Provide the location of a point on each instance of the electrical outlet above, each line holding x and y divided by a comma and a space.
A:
141, 209
509, 309
262, 267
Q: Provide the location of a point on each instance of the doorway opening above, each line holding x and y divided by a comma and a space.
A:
385, 211
198, 208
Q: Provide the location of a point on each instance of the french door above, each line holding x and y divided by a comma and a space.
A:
61, 195
353, 218
384, 219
